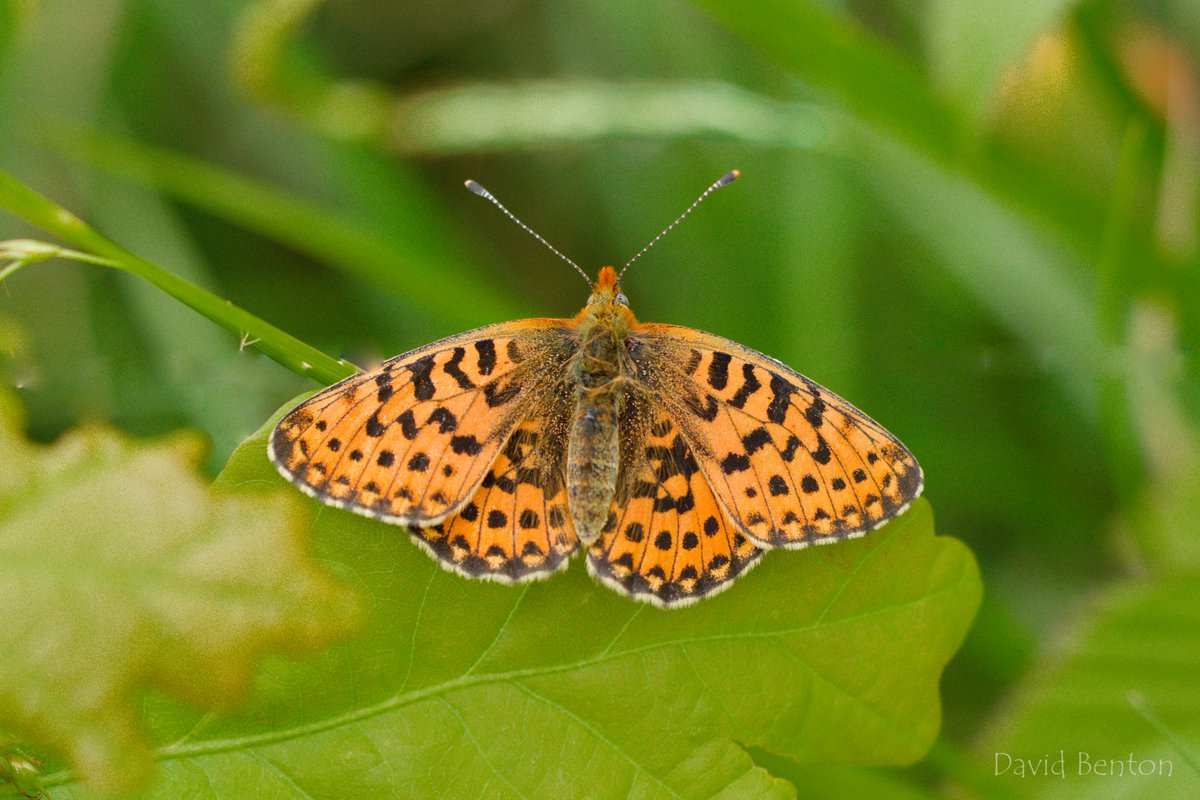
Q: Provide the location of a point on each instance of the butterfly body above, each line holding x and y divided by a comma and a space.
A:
674, 457
597, 371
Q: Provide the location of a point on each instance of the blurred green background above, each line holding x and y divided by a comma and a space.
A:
976, 221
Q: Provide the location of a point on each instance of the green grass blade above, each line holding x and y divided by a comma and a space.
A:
287, 350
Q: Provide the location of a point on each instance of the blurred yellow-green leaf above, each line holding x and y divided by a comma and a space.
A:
121, 572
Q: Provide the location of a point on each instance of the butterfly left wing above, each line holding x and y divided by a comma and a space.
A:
791, 462
667, 541
409, 442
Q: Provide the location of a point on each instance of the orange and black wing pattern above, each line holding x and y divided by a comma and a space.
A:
517, 526
668, 540
792, 463
411, 442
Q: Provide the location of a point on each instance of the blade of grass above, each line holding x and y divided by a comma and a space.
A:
1139, 704
285, 349
355, 248
476, 116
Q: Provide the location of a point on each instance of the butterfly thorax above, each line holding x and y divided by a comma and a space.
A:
596, 371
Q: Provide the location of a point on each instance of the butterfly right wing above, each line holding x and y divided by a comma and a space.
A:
409, 442
668, 541
792, 463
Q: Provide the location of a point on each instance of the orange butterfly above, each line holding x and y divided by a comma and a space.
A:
675, 456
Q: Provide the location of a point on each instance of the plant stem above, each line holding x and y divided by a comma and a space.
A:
285, 349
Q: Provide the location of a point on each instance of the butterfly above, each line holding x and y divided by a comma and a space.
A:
674, 457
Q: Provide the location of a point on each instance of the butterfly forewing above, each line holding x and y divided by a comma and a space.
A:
411, 441
792, 463
667, 540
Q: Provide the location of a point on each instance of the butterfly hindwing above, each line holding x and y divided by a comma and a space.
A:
792, 463
409, 442
517, 525
667, 539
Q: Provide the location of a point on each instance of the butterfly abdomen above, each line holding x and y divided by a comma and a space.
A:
593, 452
592, 462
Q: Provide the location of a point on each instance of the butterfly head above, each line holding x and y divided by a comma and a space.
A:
607, 308
606, 290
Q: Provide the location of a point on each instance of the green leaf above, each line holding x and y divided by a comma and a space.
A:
1141, 639
120, 572
563, 688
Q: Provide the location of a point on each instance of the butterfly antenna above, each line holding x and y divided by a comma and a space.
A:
486, 195
725, 180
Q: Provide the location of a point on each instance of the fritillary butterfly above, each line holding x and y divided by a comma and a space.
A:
674, 456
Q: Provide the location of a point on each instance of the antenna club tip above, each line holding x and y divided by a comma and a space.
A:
730, 177
475, 188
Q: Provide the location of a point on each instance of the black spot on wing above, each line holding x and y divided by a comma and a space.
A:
822, 454
408, 425
453, 368
384, 381
496, 394
466, 445
815, 413
718, 370
422, 371
735, 462
756, 440
486, 348
445, 419
750, 385
781, 393
375, 428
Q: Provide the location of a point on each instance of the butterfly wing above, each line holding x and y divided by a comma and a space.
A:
516, 526
667, 540
791, 462
411, 441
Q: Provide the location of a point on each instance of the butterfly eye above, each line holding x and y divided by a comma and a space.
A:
622, 299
